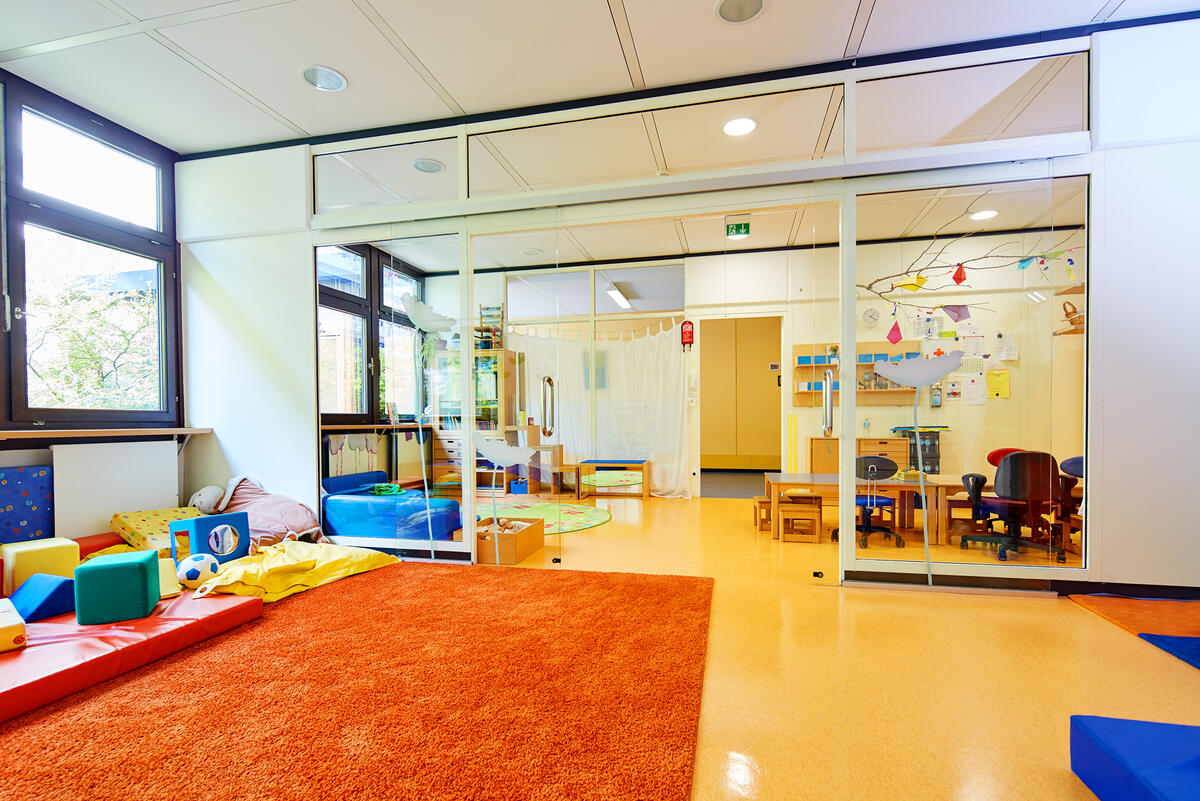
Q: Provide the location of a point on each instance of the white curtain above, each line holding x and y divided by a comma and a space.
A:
639, 391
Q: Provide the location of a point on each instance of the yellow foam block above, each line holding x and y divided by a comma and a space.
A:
12, 627
168, 582
151, 530
55, 555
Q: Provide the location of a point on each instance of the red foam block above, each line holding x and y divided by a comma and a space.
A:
63, 657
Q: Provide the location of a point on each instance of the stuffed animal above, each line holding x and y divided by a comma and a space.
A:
206, 499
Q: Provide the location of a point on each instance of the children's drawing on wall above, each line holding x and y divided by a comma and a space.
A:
353, 453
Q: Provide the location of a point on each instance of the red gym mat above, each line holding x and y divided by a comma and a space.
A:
63, 657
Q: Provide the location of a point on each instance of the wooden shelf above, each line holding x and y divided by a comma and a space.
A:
1079, 329
370, 427
865, 397
1076, 289
99, 433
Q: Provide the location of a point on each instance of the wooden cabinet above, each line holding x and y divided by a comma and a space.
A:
823, 451
495, 389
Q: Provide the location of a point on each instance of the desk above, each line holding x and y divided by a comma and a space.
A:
826, 485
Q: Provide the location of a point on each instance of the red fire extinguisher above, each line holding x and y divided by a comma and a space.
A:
687, 331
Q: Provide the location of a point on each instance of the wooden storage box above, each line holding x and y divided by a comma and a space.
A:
514, 547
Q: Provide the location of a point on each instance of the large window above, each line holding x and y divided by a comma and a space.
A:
367, 347
89, 279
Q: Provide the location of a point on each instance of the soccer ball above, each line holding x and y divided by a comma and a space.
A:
196, 569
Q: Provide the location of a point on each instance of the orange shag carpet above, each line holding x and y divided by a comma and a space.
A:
411, 682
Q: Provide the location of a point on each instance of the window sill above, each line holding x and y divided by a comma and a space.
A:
99, 433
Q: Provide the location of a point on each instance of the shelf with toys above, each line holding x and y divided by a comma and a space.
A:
809, 361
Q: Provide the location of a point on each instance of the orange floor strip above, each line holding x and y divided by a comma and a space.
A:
1141, 616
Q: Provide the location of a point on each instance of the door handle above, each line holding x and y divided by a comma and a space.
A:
548, 417
827, 403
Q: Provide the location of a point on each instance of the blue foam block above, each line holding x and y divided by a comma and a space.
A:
1185, 648
1136, 760
226, 536
42, 595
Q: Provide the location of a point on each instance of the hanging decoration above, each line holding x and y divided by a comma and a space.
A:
930, 263
894, 335
957, 312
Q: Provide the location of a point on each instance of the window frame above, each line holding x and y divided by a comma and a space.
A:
22, 205
373, 311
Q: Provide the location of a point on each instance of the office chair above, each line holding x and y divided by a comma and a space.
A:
1068, 504
873, 469
1026, 486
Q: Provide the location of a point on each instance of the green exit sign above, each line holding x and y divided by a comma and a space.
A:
739, 230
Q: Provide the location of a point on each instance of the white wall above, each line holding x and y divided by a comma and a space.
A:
249, 321
1145, 285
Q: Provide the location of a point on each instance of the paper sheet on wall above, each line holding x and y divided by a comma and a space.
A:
954, 390
971, 365
1006, 347
974, 390
971, 346
926, 326
968, 328
998, 383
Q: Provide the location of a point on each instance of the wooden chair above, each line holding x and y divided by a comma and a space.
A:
800, 520
762, 513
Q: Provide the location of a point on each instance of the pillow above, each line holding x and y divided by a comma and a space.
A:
291, 567
273, 518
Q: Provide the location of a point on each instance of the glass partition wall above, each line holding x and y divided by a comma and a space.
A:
864, 260
970, 310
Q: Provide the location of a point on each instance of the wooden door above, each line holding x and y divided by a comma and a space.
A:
718, 395
758, 392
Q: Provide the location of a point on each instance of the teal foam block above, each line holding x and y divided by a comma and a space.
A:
1136, 760
116, 587
43, 595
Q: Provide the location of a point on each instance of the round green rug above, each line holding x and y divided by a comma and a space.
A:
613, 478
559, 518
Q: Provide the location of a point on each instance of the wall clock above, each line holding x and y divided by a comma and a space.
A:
870, 317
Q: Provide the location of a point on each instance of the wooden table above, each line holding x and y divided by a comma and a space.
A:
826, 485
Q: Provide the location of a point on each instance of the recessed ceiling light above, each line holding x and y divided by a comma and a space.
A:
986, 214
739, 126
739, 10
326, 79
428, 165
532, 252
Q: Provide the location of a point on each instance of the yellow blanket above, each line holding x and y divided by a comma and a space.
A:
289, 567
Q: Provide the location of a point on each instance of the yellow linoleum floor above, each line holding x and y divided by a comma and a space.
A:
818, 692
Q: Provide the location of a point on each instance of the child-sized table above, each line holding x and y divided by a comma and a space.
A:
589, 466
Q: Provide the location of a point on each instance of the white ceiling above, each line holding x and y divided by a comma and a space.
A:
198, 75
1059, 203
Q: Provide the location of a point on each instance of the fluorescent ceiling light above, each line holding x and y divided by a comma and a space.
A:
427, 165
618, 297
739, 10
326, 79
739, 126
986, 214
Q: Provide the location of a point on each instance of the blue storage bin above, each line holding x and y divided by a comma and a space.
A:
881, 357
804, 361
518, 487
911, 355
865, 358
26, 503
820, 360
818, 385
837, 385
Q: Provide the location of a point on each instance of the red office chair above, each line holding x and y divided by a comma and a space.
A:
997, 456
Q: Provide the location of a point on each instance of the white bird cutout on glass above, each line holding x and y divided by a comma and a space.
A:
500, 453
920, 372
425, 317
